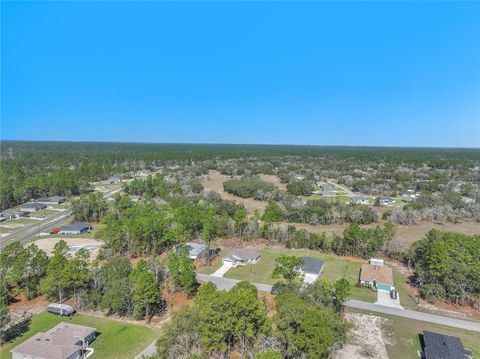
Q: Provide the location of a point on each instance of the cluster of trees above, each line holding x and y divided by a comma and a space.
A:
447, 266
300, 188
319, 212
89, 207
220, 322
250, 188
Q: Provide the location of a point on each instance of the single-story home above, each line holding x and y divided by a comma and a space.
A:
64, 341
408, 199
195, 250
385, 201
325, 186
114, 179
379, 277
52, 200
360, 199
241, 257
310, 269
32, 206
442, 346
13, 214
75, 228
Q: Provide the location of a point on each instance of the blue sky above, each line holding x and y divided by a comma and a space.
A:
326, 73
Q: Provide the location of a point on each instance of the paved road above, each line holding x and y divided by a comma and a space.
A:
227, 283
32, 230
148, 351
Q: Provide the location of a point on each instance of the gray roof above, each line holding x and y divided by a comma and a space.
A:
34, 205
60, 342
312, 265
78, 226
194, 249
360, 198
242, 255
442, 346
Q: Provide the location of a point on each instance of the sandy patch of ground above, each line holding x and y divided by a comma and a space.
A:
214, 182
274, 180
366, 338
47, 244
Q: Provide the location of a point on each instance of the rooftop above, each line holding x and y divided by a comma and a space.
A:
380, 274
243, 255
442, 346
312, 265
60, 342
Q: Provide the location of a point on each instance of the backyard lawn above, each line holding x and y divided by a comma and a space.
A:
403, 335
334, 268
115, 339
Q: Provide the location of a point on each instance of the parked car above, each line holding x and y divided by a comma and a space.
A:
393, 294
274, 289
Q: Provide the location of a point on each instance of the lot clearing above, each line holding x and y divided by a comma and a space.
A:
261, 272
402, 335
74, 244
115, 339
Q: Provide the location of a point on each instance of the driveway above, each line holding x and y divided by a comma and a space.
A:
223, 269
383, 298
228, 283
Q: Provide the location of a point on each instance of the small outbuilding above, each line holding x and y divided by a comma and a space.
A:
60, 309
241, 257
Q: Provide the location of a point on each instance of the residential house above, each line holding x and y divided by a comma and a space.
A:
378, 277
241, 257
64, 341
385, 201
114, 179
361, 199
52, 200
32, 206
13, 214
442, 346
325, 186
310, 269
75, 228
135, 198
195, 250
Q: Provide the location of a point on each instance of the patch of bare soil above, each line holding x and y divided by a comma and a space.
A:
275, 181
366, 338
47, 244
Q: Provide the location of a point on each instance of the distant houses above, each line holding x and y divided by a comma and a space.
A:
64, 341
385, 201
241, 257
32, 206
442, 346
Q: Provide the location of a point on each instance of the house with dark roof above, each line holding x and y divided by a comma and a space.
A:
310, 269
75, 228
241, 257
64, 341
385, 201
32, 207
442, 346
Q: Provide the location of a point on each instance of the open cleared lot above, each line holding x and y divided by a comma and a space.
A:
334, 268
74, 243
403, 340
115, 339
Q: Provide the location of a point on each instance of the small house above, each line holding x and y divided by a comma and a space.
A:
241, 257
195, 250
75, 228
135, 198
442, 346
114, 179
360, 199
32, 207
385, 201
310, 269
377, 277
52, 200
325, 186
64, 341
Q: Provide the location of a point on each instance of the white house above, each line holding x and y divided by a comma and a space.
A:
360, 199
32, 207
310, 269
241, 257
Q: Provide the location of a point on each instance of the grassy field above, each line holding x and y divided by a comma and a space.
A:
334, 268
115, 339
404, 340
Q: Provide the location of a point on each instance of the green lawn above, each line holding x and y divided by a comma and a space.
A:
115, 339
335, 267
404, 340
